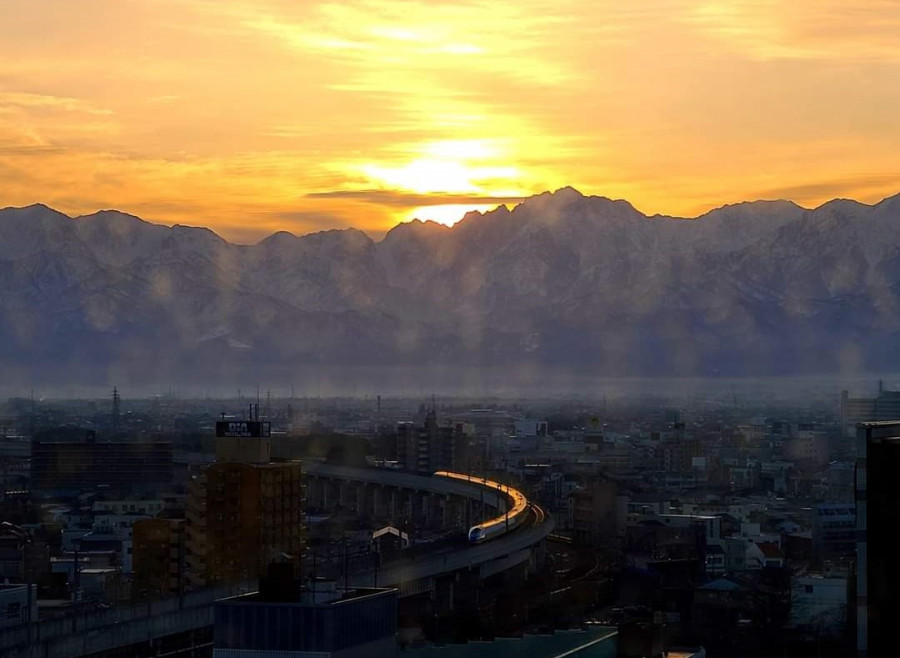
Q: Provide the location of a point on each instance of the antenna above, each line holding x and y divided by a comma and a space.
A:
115, 409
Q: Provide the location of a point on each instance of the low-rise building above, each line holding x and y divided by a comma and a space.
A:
18, 605
834, 530
283, 619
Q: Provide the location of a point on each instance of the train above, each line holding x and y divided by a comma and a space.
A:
516, 513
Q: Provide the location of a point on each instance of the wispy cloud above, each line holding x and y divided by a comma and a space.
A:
865, 187
400, 199
49, 102
833, 30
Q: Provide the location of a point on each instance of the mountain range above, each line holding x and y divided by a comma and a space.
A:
561, 281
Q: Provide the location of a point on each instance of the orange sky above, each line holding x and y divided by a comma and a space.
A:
251, 116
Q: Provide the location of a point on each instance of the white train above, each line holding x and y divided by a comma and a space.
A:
517, 510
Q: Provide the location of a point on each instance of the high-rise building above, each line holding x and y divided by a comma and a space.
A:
884, 406
158, 557
431, 447
244, 512
79, 466
877, 519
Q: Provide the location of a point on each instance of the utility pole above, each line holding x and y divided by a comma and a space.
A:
346, 566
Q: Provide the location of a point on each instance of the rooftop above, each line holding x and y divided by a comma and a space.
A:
599, 641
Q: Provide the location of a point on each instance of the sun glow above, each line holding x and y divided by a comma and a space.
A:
447, 214
446, 166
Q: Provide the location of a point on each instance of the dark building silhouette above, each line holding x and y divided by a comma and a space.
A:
158, 557
283, 619
245, 511
431, 447
83, 465
877, 520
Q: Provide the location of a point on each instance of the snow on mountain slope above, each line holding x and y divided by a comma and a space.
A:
559, 280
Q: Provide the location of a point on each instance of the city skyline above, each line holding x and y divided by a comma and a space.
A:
253, 118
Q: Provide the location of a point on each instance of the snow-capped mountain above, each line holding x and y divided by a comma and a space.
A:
561, 280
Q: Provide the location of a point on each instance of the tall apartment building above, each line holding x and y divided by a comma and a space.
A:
431, 447
244, 512
158, 557
78, 466
877, 519
883, 407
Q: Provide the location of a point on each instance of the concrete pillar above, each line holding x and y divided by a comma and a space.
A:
361, 499
427, 508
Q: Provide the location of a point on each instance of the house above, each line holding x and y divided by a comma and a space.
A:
772, 554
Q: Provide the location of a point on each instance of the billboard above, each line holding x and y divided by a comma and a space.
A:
242, 428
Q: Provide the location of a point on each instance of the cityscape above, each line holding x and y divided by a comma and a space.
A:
618, 525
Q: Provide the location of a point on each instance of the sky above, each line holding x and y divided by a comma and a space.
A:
256, 116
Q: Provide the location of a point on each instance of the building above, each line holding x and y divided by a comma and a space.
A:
18, 605
431, 447
883, 407
78, 466
242, 515
158, 557
598, 514
877, 519
24, 554
232, 444
834, 530
678, 450
389, 542
808, 447
283, 619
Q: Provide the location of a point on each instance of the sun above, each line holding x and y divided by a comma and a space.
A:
425, 176
471, 169
447, 214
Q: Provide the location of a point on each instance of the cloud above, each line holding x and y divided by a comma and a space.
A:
398, 199
48, 101
848, 30
862, 186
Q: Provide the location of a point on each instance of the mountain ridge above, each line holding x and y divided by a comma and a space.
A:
560, 281
501, 208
